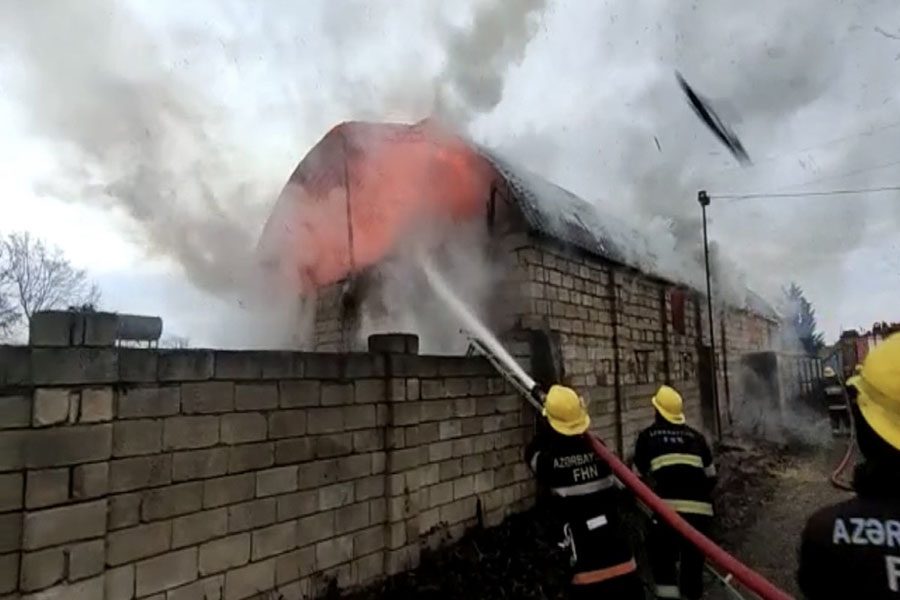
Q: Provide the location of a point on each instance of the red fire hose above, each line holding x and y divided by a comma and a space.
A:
749, 578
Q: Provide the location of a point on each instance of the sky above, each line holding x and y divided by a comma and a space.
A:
150, 140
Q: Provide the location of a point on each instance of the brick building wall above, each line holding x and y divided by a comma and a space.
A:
197, 474
610, 320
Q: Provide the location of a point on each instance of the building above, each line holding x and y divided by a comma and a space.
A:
853, 346
577, 282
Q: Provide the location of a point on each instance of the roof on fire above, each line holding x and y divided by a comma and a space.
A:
557, 213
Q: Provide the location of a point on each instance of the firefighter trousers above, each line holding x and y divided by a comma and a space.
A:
677, 564
624, 587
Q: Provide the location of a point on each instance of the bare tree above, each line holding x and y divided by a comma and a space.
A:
34, 277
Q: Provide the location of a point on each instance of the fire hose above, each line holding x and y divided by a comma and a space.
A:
851, 443
732, 567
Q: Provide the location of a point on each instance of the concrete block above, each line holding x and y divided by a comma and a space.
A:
46, 488
450, 429
124, 511
88, 589
274, 539
248, 457
210, 588
368, 541
369, 568
320, 366
185, 365
237, 364
71, 523
13, 449
10, 532
315, 528
250, 580
279, 480
359, 417
119, 583
204, 397
361, 366
199, 527
239, 428
67, 366
299, 394
68, 445
42, 569
369, 391
337, 394
51, 406
128, 545
277, 364
300, 504
464, 486
152, 401
56, 328
352, 518
228, 490
135, 473
183, 433
166, 572
225, 553
295, 565
324, 420
137, 437
329, 446
317, 473
137, 365
368, 440
199, 464
96, 405
15, 411
11, 491
86, 559
251, 515
394, 343
172, 500
100, 329
255, 396
9, 574
369, 487
294, 450
336, 495
334, 551
287, 423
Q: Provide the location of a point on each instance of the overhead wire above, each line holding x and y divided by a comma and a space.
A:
838, 192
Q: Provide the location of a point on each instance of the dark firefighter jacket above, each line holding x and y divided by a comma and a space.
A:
586, 494
852, 549
834, 394
678, 465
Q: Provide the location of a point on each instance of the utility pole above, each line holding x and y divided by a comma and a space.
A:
703, 199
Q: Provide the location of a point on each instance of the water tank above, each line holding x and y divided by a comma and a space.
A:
138, 328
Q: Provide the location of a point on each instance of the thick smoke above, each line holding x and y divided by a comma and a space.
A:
810, 73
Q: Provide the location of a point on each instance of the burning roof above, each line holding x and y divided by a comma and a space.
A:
366, 186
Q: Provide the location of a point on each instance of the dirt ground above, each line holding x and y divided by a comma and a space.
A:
766, 492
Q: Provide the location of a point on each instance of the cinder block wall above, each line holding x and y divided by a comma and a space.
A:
611, 320
198, 474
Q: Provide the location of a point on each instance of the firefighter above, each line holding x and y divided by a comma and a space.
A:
852, 549
677, 463
586, 493
837, 405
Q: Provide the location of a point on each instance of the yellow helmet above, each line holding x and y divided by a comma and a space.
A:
879, 390
669, 404
828, 372
565, 411
858, 369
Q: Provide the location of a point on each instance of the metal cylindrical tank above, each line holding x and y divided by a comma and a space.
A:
139, 328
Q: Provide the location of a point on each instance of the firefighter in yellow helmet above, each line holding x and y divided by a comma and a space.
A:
852, 549
677, 463
584, 491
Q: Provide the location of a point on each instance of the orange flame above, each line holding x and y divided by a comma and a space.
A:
382, 178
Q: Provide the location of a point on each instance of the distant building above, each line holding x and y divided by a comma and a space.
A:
853, 346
